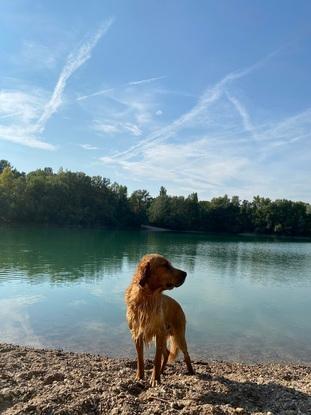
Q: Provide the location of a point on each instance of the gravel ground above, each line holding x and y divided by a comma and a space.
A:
36, 381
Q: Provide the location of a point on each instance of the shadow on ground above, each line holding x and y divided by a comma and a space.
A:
253, 397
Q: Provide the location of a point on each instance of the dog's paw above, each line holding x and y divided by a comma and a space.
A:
155, 382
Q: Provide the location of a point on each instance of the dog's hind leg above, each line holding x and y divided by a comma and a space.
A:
165, 356
174, 349
139, 344
180, 341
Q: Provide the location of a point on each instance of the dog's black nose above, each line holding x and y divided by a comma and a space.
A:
183, 274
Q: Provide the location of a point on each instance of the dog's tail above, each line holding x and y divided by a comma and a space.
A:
174, 349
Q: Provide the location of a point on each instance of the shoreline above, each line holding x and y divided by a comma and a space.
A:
157, 229
44, 381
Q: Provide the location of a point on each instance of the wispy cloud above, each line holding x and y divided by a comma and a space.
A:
21, 136
24, 113
88, 147
37, 55
24, 104
146, 81
127, 109
110, 90
16, 324
19, 110
188, 166
94, 94
227, 160
216, 146
74, 61
124, 111
112, 127
248, 125
210, 95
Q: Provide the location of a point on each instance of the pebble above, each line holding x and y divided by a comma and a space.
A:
54, 386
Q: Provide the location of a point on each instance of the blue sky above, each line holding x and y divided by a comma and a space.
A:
200, 96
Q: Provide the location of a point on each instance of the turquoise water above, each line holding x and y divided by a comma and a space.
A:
245, 298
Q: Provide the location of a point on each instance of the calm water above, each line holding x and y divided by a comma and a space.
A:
245, 298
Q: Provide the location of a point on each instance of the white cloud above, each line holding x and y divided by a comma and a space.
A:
25, 105
290, 129
20, 135
106, 128
124, 111
133, 129
18, 111
146, 81
248, 125
122, 86
127, 108
74, 61
196, 165
15, 323
94, 94
24, 114
208, 98
37, 55
217, 148
116, 127
88, 147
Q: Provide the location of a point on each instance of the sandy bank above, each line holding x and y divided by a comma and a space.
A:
55, 382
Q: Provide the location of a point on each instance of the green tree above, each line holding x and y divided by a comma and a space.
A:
159, 210
262, 219
140, 201
74, 198
3, 164
12, 189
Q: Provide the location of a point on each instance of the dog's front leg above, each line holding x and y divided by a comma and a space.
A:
139, 344
160, 344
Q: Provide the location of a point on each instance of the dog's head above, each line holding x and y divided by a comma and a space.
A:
157, 273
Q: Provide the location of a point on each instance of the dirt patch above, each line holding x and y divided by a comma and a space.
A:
50, 382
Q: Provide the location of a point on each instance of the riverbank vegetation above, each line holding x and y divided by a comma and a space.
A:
66, 198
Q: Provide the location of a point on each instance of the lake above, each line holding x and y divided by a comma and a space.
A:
245, 298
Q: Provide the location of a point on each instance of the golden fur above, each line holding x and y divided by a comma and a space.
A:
151, 314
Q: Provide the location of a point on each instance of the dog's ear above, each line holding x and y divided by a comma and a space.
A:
144, 273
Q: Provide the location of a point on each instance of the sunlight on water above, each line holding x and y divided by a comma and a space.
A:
245, 298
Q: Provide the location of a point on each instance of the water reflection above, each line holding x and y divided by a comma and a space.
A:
16, 325
245, 298
72, 254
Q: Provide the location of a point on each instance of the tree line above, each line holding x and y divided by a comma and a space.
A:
73, 198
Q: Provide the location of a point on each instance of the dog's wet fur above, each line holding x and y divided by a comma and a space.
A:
153, 315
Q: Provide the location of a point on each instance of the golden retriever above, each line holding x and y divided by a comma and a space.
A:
151, 314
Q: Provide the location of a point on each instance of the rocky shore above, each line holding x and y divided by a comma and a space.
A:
34, 381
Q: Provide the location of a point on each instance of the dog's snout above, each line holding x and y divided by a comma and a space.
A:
180, 278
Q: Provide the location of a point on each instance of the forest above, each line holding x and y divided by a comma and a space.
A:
66, 198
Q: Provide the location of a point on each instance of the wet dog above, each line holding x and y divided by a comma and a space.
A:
153, 315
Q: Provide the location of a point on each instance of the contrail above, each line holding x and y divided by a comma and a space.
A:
207, 98
74, 61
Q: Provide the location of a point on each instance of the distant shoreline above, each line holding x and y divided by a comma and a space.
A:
74, 199
41, 381
150, 228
